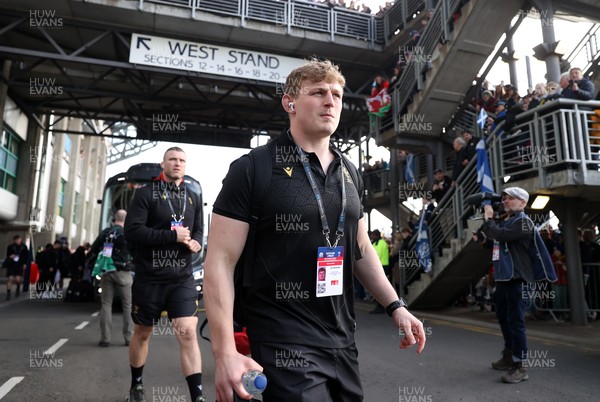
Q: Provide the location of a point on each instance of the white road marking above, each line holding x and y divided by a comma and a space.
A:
8, 385
96, 314
82, 325
54, 348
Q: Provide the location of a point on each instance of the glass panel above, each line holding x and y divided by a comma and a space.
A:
2, 158
11, 165
10, 183
14, 144
67, 144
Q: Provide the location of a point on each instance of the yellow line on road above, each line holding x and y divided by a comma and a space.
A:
490, 331
468, 327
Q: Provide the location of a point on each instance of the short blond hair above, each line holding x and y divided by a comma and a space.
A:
175, 149
314, 70
551, 86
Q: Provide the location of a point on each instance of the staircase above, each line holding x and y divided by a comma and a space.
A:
586, 55
562, 129
456, 51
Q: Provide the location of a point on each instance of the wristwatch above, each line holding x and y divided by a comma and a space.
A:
395, 305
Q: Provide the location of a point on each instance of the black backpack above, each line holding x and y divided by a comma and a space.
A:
260, 160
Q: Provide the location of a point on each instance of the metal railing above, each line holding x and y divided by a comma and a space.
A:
547, 138
377, 183
337, 21
467, 121
550, 137
411, 79
587, 50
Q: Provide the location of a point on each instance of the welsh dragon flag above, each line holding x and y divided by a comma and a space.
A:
379, 104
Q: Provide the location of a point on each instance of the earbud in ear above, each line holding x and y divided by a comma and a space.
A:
291, 106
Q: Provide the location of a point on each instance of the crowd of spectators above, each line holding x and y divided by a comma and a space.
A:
378, 165
505, 103
353, 5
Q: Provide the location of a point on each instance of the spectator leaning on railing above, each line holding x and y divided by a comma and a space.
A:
379, 84
539, 95
511, 96
471, 143
563, 83
395, 75
488, 102
553, 90
578, 87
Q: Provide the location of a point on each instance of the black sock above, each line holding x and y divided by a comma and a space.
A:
195, 385
136, 375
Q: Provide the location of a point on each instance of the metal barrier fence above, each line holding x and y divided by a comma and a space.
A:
337, 21
553, 298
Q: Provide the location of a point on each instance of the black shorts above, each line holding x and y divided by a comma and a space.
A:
14, 271
300, 373
149, 300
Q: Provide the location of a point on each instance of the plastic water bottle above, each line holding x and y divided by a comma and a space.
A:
254, 382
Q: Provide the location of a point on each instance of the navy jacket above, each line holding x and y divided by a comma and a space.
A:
585, 92
523, 254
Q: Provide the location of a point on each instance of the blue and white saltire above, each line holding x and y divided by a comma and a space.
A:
482, 118
422, 246
409, 171
484, 173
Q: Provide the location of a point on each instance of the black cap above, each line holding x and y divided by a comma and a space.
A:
438, 171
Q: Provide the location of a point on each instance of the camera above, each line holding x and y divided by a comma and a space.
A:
478, 198
571, 82
495, 199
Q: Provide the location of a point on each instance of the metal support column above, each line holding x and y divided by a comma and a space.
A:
441, 157
512, 64
568, 214
4, 88
546, 51
430, 169
529, 80
394, 192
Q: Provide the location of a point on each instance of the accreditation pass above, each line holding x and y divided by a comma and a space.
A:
330, 271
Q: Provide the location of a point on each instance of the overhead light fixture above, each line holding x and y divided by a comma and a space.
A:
540, 202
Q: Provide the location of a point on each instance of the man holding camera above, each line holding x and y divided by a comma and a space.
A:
513, 270
579, 87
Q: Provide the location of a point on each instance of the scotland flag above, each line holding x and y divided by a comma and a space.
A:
422, 245
484, 173
482, 118
409, 170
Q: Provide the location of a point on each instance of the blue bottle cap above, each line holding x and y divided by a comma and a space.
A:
260, 382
